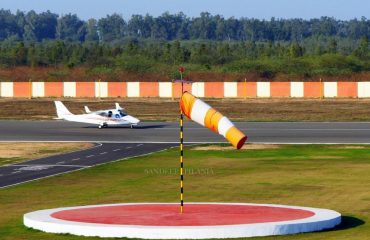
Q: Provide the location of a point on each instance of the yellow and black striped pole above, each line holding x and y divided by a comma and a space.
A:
181, 163
181, 149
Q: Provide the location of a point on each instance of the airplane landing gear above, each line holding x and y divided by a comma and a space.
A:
104, 125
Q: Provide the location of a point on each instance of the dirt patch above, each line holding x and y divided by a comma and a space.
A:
155, 109
326, 157
228, 148
25, 151
24, 73
349, 147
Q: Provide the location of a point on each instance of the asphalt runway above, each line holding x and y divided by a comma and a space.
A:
154, 132
123, 142
55, 165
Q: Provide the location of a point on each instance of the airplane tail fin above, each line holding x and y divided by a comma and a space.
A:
87, 110
62, 111
118, 107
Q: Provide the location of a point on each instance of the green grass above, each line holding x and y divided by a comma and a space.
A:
324, 176
6, 161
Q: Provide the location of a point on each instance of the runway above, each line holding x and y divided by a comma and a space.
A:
149, 132
121, 143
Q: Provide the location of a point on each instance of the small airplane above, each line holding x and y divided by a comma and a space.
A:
102, 118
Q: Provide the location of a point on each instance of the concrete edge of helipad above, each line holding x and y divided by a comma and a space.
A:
322, 220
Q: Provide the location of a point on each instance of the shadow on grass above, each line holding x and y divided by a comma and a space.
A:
348, 222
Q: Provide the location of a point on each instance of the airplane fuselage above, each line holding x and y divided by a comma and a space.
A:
102, 118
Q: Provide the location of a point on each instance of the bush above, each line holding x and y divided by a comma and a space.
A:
136, 64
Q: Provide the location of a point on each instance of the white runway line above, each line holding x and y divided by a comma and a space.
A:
128, 147
90, 156
103, 153
62, 162
77, 166
75, 159
115, 150
139, 145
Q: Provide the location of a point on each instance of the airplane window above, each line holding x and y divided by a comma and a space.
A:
110, 114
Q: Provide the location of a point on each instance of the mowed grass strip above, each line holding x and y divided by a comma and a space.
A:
324, 176
11, 152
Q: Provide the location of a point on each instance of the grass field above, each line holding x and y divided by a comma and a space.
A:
324, 176
147, 109
11, 153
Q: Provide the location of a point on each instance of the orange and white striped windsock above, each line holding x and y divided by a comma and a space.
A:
202, 113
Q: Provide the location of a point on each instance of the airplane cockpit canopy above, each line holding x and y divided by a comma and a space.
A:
122, 113
119, 114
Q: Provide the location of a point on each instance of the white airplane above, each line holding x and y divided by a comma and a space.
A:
102, 118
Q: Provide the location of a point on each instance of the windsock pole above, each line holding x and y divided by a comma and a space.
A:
181, 70
181, 163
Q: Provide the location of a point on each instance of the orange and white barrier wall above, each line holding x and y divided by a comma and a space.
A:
198, 89
200, 112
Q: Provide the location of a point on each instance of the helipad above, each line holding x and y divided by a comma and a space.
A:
199, 221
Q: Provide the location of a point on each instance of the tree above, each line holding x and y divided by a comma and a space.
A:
32, 58
9, 25
20, 54
136, 26
363, 50
56, 52
71, 28
203, 27
333, 46
92, 30
39, 27
296, 50
112, 28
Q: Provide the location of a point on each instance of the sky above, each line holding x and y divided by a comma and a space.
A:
261, 9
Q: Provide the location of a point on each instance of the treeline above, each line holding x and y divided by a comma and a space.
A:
34, 27
146, 44
328, 56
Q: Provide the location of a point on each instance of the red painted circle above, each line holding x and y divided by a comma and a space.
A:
194, 214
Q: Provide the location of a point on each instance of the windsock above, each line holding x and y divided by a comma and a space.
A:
200, 112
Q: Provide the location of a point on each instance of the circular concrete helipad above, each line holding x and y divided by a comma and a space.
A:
199, 220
